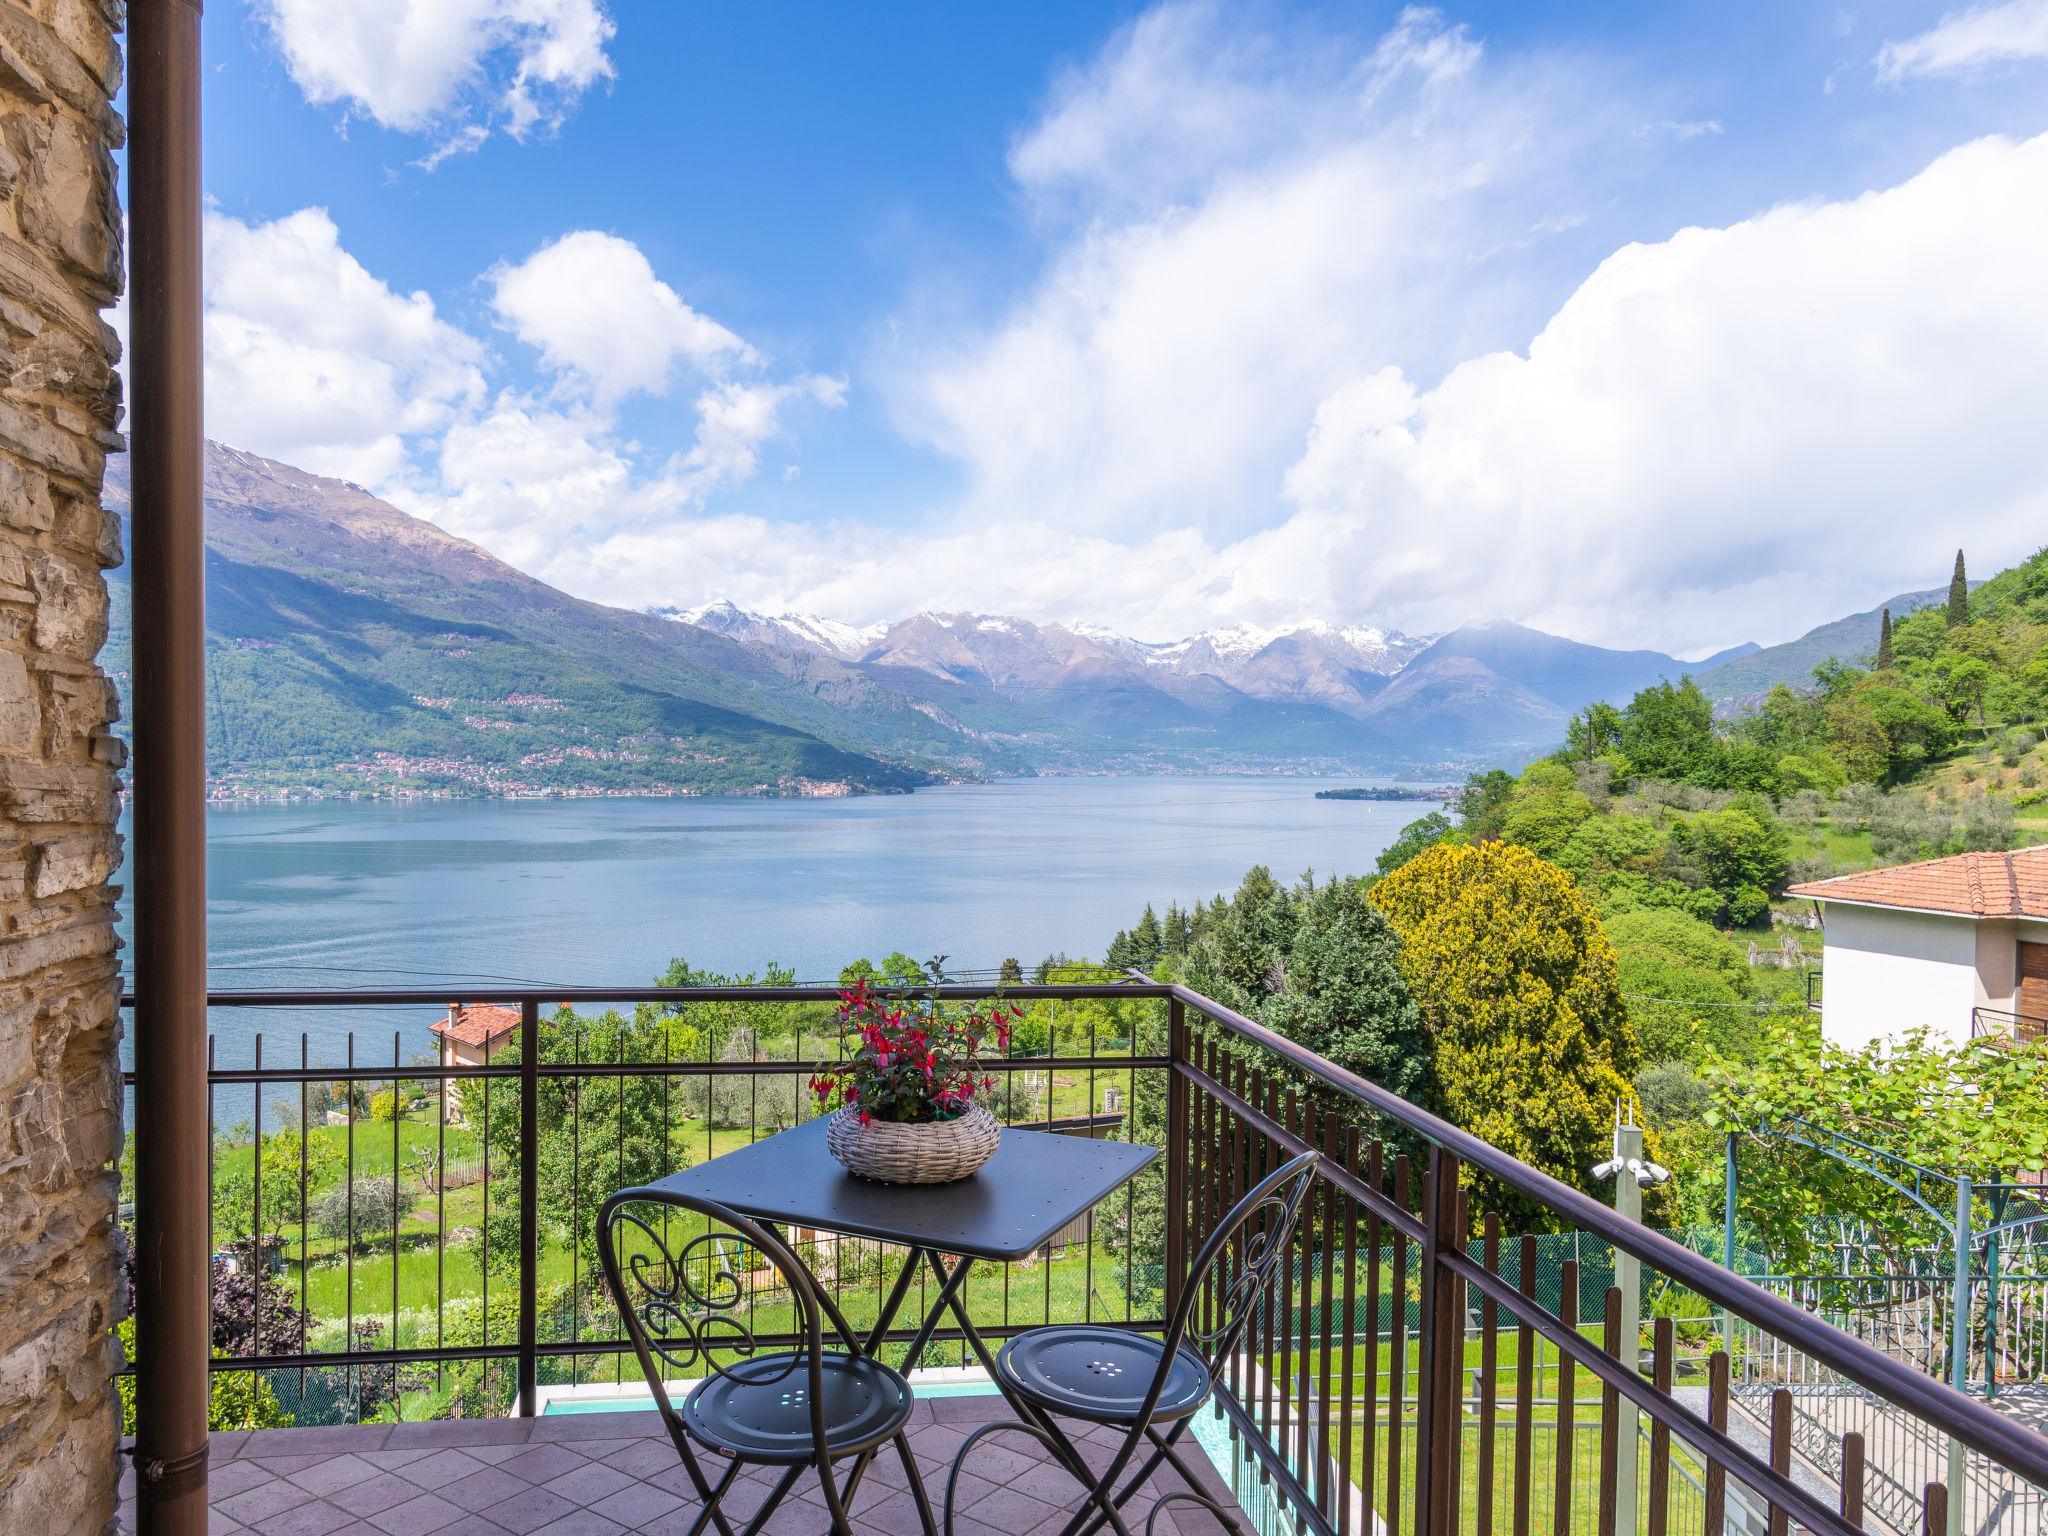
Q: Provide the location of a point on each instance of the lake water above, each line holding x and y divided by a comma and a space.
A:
595, 892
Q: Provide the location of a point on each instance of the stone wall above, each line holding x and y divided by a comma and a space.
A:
60, 1105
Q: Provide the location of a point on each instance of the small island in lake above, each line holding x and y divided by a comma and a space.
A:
1395, 792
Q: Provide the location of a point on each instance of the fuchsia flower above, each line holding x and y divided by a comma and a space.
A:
910, 1058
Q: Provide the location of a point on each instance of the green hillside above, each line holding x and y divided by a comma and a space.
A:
353, 647
1748, 678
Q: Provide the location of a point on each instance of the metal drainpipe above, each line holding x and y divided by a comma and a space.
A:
167, 572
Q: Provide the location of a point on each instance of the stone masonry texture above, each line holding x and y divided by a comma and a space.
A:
60, 1088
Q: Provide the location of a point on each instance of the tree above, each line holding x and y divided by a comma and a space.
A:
1245, 943
1546, 807
1685, 985
1178, 931
1958, 611
1739, 848
1884, 643
598, 1134
1483, 802
234, 1184
368, 1207
1011, 972
1530, 1040
1667, 732
1147, 942
1319, 964
1339, 991
1426, 832
1594, 730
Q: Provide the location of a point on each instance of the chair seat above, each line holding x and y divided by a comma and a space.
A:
1100, 1374
761, 1410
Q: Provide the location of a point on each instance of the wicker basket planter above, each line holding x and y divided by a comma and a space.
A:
936, 1152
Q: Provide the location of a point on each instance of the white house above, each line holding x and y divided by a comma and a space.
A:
1958, 946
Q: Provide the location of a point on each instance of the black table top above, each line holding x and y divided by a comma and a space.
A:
1036, 1183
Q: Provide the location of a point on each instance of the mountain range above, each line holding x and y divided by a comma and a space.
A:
354, 647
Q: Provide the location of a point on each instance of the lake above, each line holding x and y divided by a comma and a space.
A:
595, 892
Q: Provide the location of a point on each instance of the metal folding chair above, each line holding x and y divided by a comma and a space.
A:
1138, 1382
688, 1310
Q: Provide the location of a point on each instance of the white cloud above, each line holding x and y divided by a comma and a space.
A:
527, 481
1969, 42
1235, 219
1797, 407
592, 306
311, 359
734, 421
464, 141
1684, 130
1732, 433
421, 65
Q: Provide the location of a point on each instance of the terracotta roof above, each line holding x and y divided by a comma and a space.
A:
477, 1024
1968, 885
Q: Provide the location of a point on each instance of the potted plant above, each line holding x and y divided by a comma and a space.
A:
909, 1084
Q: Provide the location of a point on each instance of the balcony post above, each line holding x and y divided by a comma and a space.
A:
1437, 1408
1177, 1153
1959, 1343
167, 567
529, 1206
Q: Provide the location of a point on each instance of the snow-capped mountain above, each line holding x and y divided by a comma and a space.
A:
802, 631
1314, 662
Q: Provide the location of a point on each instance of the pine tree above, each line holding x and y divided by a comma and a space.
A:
1958, 595
1884, 643
1178, 930
1147, 944
1011, 973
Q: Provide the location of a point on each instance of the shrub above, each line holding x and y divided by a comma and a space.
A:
384, 1106
1749, 907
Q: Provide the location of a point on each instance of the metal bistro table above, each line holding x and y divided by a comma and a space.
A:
1034, 1186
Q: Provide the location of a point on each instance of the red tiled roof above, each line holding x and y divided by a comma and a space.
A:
477, 1024
1968, 885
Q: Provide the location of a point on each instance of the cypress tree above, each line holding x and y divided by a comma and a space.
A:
1884, 643
1958, 595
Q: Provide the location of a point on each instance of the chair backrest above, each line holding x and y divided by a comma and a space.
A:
683, 1273
1247, 1252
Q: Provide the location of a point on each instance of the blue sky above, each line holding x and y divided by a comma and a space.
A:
1670, 325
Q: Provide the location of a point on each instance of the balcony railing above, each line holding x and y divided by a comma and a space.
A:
2002, 1026
1439, 1361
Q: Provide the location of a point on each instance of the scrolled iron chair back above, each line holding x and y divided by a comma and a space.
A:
690, 1322
1261, 1229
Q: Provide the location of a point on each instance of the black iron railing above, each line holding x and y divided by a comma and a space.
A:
2002, 1026
1432, 1367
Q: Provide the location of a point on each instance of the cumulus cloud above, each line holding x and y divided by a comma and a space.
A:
311, 359
1234, 219
1731, 433
434, 66
1806, 402
1968, 42
734, 421
590, 303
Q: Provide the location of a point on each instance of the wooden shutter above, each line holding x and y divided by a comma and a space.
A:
2032, 1002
